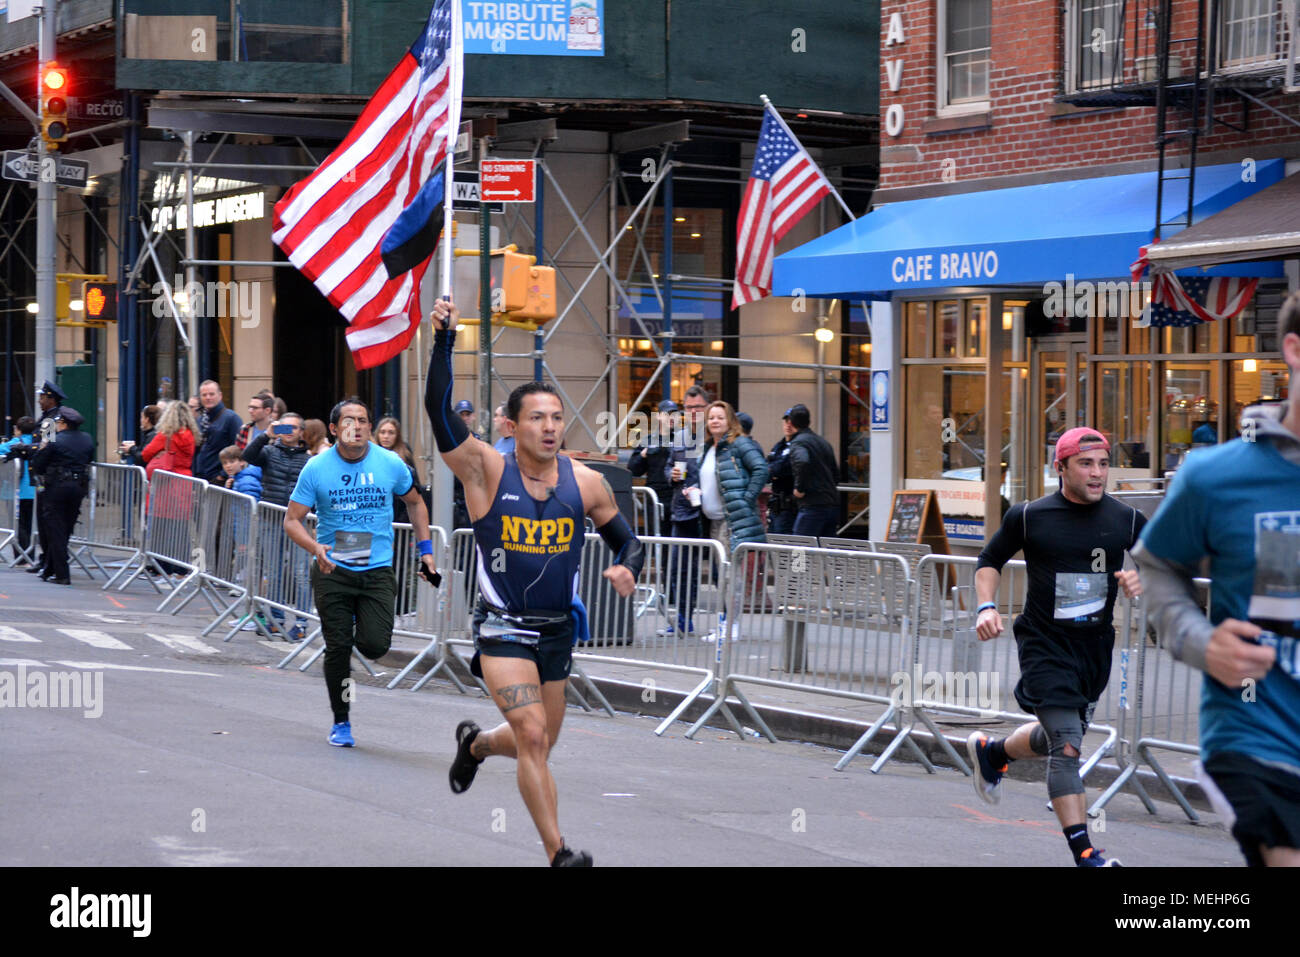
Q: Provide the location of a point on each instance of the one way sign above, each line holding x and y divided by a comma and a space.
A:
28, 168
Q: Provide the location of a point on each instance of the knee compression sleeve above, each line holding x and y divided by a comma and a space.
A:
1064, 731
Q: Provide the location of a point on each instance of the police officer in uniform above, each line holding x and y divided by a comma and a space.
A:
63, 466
50, 399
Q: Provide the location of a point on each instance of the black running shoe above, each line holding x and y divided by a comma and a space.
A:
565, 857
466, 765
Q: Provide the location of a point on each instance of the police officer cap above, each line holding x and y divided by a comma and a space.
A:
464, 405
70, 416
52, 390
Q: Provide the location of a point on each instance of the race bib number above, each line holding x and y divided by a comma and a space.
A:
1275, 597
352, 548
1080, 596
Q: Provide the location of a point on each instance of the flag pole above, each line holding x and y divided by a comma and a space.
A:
768, 105
455, 68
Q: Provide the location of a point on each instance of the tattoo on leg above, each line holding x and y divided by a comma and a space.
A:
516, 696
482, 746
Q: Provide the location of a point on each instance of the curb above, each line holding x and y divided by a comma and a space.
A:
836, 733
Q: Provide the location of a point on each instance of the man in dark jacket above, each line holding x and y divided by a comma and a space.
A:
651, 459
812, 462
281, 460
687, 520
64, 469
781, 505
219, 427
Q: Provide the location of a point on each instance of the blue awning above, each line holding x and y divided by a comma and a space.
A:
1089, 228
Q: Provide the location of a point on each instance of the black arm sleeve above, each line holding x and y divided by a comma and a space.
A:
627, 548
1006, 541
448, 429
253, 451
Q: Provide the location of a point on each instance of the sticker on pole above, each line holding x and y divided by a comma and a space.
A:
507, 181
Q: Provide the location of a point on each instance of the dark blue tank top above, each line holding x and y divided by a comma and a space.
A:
529, 551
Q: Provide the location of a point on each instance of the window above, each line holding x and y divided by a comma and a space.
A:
1251, 32
1094, 43
965, 43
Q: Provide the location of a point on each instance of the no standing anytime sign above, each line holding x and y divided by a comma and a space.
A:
507, 181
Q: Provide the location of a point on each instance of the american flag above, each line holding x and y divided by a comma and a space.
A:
332, 224
1191, 300
784, 184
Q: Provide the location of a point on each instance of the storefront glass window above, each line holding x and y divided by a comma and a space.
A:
945, 422
1124, 411
697, 304
949, 323
919, 331
1015, 434
1190, 409
1200, 338
1255, 381
976, 329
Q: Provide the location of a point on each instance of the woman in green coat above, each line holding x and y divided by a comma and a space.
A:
732, 473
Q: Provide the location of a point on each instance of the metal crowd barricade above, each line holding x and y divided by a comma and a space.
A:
10, 483
112, 519
458, 591
1167, 695
841, 628
977, 678
645, 505
690, 575
427, 617
226, 554
173, 512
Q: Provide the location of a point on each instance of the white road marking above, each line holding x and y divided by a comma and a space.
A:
13, 634
20, 662
184, 643
165, 671
106, 619
96, 639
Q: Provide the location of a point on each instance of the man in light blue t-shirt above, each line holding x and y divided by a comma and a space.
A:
351, 488
1239, 504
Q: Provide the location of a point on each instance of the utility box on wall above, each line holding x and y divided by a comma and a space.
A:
79, 383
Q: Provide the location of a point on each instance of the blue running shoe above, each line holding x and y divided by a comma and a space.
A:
987, 779
1092, 857
298, 632
341, 735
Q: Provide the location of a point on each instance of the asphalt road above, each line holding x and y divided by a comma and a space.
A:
205, 754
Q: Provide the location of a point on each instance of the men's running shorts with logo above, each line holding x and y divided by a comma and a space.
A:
528, 553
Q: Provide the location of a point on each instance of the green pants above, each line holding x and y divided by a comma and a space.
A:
356, 609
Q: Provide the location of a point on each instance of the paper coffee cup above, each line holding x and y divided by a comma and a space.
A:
694, 496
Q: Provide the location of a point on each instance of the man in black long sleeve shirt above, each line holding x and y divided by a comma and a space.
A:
1074, 542
812, 461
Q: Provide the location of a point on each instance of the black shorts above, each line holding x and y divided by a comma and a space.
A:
1266, 801
552, 652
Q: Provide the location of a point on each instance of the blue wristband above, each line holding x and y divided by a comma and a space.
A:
425, 546
987, 604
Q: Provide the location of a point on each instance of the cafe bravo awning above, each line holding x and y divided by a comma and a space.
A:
1263, 226
1090, 228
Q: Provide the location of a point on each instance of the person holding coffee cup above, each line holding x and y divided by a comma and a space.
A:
731, 475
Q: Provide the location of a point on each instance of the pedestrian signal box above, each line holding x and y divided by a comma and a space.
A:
101, 301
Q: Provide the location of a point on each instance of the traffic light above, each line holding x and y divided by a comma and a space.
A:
54, 104
62, 299
101, 301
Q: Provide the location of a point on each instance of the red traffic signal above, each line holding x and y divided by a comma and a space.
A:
54, 104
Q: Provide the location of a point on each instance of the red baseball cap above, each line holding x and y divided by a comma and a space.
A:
1073, 442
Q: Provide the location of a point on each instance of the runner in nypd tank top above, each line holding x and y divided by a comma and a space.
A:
529, 550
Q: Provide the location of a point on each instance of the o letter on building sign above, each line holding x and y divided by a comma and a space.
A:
894, 71
894, 119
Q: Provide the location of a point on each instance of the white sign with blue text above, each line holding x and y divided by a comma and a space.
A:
880, 400
535, 27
